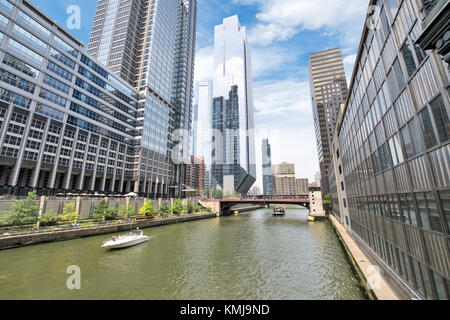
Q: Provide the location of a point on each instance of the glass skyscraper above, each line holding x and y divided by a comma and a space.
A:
391, 154
234, 151
72, 123
267, 168
151, 44
201, 132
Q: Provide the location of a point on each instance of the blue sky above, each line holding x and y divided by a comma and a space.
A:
282, 34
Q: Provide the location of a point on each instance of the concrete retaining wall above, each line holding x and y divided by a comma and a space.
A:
35, 238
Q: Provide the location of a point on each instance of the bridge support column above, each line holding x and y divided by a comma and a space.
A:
213, 205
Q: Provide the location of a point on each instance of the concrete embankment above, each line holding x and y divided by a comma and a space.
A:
62, 235
371, 280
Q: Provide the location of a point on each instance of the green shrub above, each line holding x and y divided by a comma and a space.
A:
177, 207
190, 208
48, 219
127, 212
327, 202
198, 209
147, 209
24, 211
165, 208
101, 211
70, 215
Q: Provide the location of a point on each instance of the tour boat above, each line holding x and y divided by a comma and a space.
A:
130, 239
279, 211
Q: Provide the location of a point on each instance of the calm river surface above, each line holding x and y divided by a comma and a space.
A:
251, 256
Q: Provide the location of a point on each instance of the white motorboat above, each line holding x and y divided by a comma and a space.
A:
279, 211
130, 239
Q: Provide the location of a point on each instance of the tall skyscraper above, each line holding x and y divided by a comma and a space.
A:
267, 168
234, 152
201, 127
151, 45
328, 86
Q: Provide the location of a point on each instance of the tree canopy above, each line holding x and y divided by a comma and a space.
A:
177, 207
101, 210
147, 209
327, 204
25, 211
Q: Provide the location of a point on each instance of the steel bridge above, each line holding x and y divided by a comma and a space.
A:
223, 206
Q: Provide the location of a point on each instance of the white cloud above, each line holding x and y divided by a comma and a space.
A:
264, 34
204, 64
349, 63
279, 20
278, 97
309, 14
269, 60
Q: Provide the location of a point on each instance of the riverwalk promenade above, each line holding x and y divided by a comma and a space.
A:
14, 241
375, 285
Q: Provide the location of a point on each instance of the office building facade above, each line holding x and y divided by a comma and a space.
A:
328, 86
70, 124
151, 45
302, 186
235, 158
267, 168
284, 182
195, 176
390, 171
202, 126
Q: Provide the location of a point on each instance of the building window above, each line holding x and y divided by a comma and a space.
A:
399, 74
422, 206
411, 142
427, 128
440, 286
441, 118
444, 197
435, 221
409, 58
415, 135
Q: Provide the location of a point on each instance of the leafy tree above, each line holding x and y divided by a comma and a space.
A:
198, 209
327, 204
48, 219
102, 211
177, 207
165, 208
207, 193
190, 208
69, 213
25, 211
127, 212
147, 209
217, 194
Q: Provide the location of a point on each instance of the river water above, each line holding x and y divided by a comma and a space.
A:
251, 256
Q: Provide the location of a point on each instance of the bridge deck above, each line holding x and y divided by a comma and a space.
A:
263, 201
